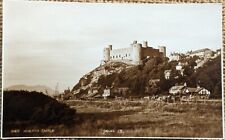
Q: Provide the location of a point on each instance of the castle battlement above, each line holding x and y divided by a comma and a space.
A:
134, 54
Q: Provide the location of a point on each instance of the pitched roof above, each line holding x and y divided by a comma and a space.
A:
191, 89
176, 89
167, 71
201, 50
196, 90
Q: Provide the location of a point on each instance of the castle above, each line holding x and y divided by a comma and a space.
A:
135, 54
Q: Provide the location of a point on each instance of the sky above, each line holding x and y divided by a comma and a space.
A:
45, 43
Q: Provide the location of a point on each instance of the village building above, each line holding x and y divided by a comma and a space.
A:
180, 67
177, 90
135, 54
200, 62
106, 93
183, 90
206, 53
175, 57
199, 91
121, 91
167, 74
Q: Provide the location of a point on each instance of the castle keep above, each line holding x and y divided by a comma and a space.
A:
135, 54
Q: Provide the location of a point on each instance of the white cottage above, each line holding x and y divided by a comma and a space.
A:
106, 93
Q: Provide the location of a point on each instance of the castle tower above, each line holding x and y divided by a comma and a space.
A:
135, 42
162, 49
110, 47
145, 44
106, 54
137, 54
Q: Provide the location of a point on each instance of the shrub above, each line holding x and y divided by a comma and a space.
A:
34, 107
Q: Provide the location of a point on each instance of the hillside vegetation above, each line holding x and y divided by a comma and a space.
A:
34, 107
39, 88
137, 78
22, 108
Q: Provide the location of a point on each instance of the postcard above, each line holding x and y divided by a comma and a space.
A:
121, 70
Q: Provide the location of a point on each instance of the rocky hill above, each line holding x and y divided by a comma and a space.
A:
148, 79
118, 75
99, 78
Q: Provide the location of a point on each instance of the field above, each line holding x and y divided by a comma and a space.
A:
146, 118
140, 118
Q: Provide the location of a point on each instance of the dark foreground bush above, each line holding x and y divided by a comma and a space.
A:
34, 107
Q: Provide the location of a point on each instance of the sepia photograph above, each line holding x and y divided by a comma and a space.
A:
121, 70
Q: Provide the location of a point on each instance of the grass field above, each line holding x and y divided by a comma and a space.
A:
146, 118
141, 118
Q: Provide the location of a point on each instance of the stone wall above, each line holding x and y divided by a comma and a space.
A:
133, 54
121, 54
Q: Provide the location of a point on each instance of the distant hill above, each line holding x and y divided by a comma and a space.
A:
39, 88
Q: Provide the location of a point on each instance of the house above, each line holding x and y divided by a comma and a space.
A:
180, 67
190, 92
182, 72
174, 57
121, 91
167, 74
201, 53
106, 93
177, 90
199, 91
